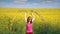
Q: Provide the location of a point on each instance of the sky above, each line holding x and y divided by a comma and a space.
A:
29, 3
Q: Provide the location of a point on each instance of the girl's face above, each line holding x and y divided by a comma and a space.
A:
29, 19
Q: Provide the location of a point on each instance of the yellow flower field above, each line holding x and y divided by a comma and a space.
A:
50, 15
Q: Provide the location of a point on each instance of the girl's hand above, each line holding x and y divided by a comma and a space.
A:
24, 11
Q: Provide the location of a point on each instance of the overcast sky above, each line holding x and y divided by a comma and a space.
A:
30, 3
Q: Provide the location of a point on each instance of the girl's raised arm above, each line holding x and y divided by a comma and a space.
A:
33, 17
25, 16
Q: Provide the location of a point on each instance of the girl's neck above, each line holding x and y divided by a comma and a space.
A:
28, 22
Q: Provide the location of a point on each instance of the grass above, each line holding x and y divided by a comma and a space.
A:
50, 15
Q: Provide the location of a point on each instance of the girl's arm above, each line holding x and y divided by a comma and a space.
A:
25, 17
33, 17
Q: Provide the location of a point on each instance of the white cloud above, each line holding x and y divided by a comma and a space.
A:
23, 0
20, 1
49, 1
35, 4
44, 1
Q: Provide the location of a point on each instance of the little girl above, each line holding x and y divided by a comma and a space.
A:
29, 21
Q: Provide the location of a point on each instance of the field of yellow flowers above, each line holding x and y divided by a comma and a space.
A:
47, 23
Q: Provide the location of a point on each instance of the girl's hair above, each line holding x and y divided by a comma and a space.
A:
28, 19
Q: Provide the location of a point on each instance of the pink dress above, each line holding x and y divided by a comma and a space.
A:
28, 27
